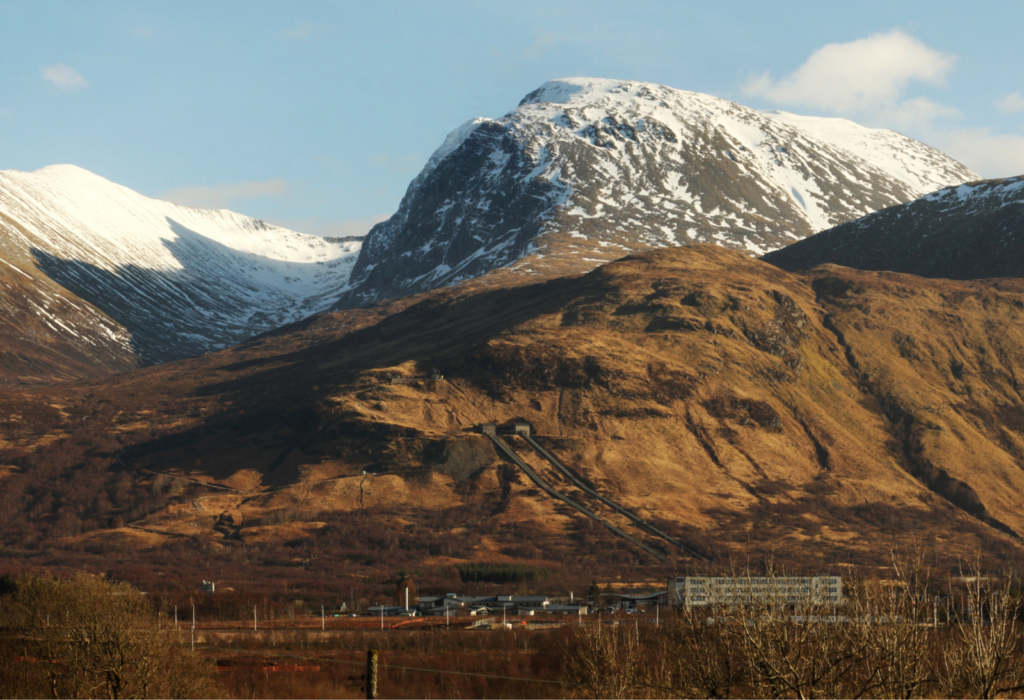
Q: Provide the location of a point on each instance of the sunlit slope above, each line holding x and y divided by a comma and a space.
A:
735, 405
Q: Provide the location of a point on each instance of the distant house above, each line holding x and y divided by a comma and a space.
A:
209, 587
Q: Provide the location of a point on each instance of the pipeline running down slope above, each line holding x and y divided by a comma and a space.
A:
555, 493
633, 517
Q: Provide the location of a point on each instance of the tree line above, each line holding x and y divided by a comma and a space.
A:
88, 637
906, 637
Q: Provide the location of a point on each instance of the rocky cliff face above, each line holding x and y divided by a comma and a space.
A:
584, 171
967, 232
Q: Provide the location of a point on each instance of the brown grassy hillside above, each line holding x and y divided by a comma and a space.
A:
822, 415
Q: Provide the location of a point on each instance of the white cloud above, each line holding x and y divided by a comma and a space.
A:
221, 196
66, 79
992, 155
1014, 102
859, 76
868, 80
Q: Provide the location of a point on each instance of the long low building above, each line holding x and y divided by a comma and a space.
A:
689, 591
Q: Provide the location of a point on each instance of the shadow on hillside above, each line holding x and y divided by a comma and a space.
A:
174, 314
276, 419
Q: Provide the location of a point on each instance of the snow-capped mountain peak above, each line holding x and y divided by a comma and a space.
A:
586, 169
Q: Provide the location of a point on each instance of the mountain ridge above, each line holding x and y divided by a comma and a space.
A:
586, 170
150, 281
971, 231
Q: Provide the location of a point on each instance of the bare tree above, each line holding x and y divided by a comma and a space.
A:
700, 655
100, 639
982, 659
793, 644
888, 625
605, 661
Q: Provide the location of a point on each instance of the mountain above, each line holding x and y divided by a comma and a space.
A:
98, 276
826, 416
584, 171
972, 231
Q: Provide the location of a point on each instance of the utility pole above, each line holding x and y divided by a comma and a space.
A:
657, 615
407, 599
193, 626
175, 617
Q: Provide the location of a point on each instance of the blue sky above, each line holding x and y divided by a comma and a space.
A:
317, 114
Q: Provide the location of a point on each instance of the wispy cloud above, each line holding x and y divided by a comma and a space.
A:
65, 78
512, 63
541, 44
1010, 104
869, 79
346, 227
304, 30
221, 196
991, 154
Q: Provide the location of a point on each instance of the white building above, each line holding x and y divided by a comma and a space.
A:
688, 591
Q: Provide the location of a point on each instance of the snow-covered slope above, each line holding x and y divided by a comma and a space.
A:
971, 231
585, 170
171, 281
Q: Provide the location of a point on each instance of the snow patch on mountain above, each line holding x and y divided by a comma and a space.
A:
182, 281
